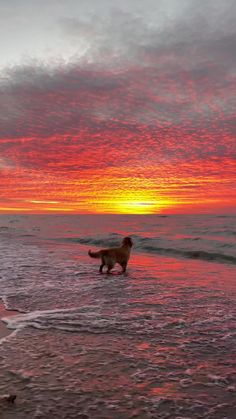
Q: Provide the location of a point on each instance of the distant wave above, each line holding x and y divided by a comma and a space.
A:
195, 254
112, 239
155, 245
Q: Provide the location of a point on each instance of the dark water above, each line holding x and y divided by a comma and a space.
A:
158, 342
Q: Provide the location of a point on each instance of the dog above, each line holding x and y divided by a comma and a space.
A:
109, 257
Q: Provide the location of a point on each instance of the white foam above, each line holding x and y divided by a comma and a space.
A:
33, 318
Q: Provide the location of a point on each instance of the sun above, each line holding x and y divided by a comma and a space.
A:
139, 201
137, 207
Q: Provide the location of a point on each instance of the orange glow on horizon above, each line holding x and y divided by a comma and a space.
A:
149, 189
105, 191
167, 148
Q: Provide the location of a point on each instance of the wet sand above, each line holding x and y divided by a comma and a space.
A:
4, 331
158, 342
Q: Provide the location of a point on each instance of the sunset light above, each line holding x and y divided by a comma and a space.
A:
136, 207
145, 127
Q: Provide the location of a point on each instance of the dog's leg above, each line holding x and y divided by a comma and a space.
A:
124, 266
110, 266
101, 266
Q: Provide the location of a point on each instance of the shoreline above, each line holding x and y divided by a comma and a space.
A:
4, 331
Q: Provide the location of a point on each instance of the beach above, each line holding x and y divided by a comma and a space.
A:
156, 342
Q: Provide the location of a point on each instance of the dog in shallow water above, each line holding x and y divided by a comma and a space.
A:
109, 257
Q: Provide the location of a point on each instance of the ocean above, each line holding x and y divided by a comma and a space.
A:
156, 342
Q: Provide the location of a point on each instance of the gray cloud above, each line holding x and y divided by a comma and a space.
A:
124, 34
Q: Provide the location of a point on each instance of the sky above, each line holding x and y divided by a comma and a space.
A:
117, 107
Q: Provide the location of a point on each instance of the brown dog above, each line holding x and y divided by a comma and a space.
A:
113, 255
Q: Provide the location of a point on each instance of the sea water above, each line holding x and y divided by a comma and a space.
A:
156, 342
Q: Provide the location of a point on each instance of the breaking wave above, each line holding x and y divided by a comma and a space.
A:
193, 248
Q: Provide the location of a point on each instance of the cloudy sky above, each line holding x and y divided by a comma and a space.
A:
125, 106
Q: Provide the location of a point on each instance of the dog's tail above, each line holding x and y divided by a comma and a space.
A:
95, 255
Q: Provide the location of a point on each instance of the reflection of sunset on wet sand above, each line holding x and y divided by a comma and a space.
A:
158, 340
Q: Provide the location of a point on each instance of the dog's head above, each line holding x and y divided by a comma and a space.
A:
127, 241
